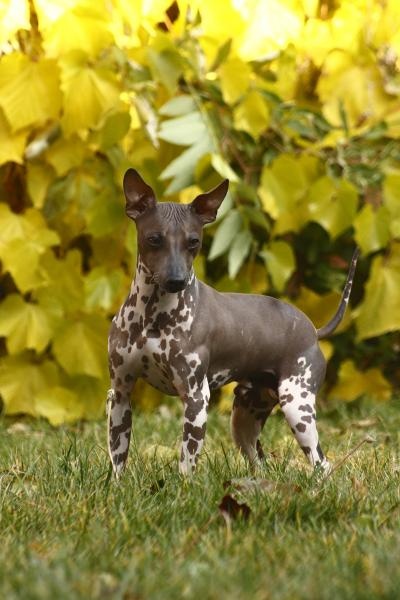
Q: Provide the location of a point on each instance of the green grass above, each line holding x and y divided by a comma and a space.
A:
68, 530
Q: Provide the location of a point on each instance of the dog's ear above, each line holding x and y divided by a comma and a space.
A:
139, 196
206, 205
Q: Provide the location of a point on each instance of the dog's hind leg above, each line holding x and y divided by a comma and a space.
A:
297, 395
119, 424
252, 405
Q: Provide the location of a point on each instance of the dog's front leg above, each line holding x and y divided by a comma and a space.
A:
195, 400
119, 425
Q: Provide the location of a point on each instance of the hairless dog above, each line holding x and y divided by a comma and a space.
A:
185, 338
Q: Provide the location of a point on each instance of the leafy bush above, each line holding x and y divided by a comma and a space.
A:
296, 102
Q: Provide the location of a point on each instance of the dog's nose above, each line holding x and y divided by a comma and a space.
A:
175, 285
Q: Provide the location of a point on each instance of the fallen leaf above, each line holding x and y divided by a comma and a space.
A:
232, 509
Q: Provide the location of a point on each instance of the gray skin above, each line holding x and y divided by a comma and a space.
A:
185, 338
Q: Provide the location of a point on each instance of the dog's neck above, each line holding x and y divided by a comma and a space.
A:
148, 294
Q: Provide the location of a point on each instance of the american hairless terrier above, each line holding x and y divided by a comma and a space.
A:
185, 338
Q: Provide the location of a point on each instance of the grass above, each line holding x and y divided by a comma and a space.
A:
69, 531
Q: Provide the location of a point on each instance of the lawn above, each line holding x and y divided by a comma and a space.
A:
68, 530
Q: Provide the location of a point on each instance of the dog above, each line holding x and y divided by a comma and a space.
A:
185, 338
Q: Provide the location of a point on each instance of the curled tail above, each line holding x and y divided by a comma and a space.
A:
330, 327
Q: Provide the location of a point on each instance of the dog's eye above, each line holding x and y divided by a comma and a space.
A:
155, 240
193, 242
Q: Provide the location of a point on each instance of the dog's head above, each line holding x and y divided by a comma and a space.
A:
169, 235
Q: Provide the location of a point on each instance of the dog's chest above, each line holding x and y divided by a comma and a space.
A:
159, 335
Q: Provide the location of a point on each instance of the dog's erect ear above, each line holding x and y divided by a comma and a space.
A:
206, 205
139, 196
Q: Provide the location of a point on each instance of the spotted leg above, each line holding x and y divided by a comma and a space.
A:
297, 394
252, 405
194, 425
119, 424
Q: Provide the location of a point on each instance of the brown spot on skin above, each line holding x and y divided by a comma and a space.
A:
305, 408
116, 359
306, 418
192, 446
287, 397
163, 344
195, 432
301, 427
131, 315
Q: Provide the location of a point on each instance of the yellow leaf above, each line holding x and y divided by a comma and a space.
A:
98, 92
58, 405
333, 204
25, 325
12, 145
270, 26
380, 310
145, 396
235, 79
92, 393
367, 102
29, 91
320, 309
23, 239
65, 154
21, 380
372, 228
80, 346
83, 26
283, 190
14, 15
342, 30
102, 287
326, 348
252, 114
391, 197
39, 177
353, 383
63, 289
280, 262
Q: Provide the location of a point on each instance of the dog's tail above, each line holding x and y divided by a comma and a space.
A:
330, 327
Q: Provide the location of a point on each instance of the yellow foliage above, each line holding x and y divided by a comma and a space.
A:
353, 383
296, 102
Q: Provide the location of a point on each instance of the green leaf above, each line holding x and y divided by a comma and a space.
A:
181, 105
380, 310
333, 204
80, 346
24, 325
165, 66
185, 130
239, 251
280, 262
372, 228
225, 234
222, 167
182, 167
